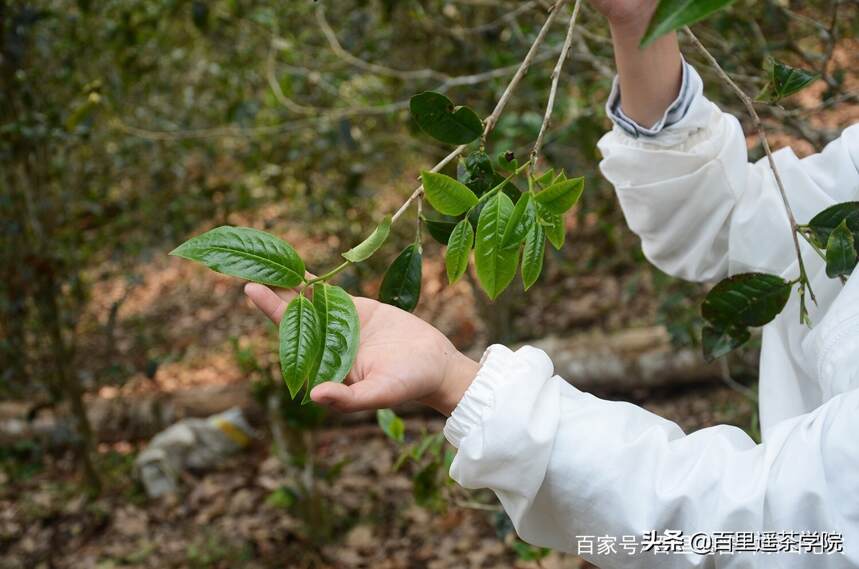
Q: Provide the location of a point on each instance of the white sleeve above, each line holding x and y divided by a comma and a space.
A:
566, 464
702, 210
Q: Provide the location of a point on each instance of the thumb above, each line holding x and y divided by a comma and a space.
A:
369, 393
267, 300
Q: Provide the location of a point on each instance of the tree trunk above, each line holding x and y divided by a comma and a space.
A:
66, 383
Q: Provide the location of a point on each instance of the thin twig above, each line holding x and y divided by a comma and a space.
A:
734, 384
345, 55
762, 135
490, 121
507, 18
553, 90
313, 115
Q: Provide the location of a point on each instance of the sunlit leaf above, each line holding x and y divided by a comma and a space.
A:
496, 266
391, 425
245, 253
459, 250
524, 216
560, 197
300, 343
532, 255
338, 321
554, 227
544, 180
371, 244
438, 117
447, 195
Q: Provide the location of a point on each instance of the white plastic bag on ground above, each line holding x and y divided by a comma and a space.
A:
192, 444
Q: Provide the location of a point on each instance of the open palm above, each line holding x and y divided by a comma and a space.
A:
400, 358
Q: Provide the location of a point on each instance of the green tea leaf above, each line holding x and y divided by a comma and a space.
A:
391, 425
716, 342
338, 320
560, 197
426, 487
748, 299
300, 343
840, 252
371, 244
784, 81
825, 222
544, 180
437, 116
459, 250
401, 285
447, 195
671, 15
476, 172
554, 226
527, 552
440, 229
532, 255
496, 266
245, 253
524, 216
508, 187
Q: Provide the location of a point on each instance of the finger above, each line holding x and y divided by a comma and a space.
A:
288, 294
272, 304
360, 396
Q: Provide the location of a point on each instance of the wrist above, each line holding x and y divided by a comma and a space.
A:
458, 374
628, 30
649, 78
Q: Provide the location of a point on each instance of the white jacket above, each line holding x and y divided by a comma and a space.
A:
571, 469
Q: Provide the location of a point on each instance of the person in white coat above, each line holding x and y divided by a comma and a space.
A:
610, 480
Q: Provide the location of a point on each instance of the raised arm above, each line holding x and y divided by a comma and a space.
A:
650, 78
681, 171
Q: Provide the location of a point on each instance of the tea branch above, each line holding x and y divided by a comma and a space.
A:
553, 90
488, 124
345, 55
803, 281
490, 121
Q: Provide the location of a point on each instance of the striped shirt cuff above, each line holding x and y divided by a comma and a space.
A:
674, 114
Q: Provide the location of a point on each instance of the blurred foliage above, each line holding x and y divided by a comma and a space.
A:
127, 125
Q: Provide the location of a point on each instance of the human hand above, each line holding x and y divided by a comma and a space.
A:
632, 14
400, 358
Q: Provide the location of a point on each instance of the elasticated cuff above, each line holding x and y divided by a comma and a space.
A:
479, 398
